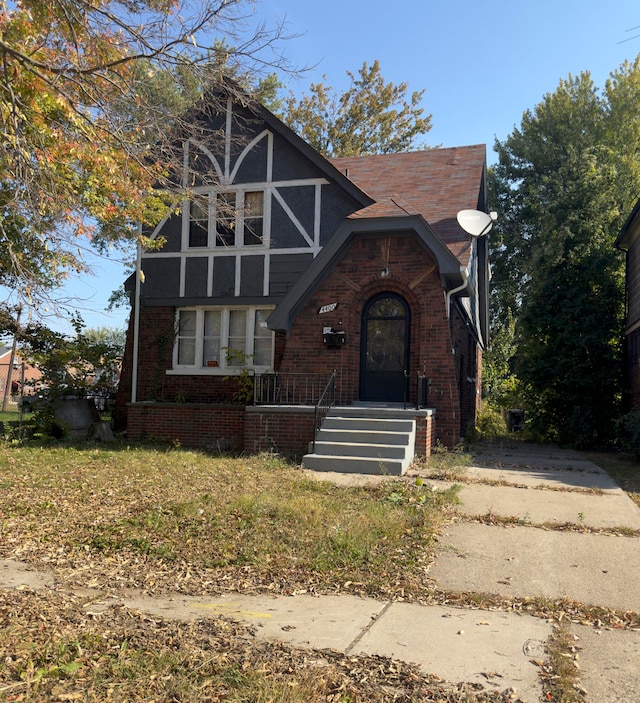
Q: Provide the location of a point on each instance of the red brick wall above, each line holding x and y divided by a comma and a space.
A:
356, 278
425, 434
205, 426
285, 430
468, 365
155, 358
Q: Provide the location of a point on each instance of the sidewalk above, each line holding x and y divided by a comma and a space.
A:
550, 488
597, 562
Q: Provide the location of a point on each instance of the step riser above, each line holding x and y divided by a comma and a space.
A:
357, 437
381, 425
352, 465
361, 450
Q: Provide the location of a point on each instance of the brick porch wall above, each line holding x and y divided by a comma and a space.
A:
199, 425
425, 433
286, 430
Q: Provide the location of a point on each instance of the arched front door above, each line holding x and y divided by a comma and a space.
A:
384, 351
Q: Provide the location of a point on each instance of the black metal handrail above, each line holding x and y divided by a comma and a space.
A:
422, 391
324, 404
288, 388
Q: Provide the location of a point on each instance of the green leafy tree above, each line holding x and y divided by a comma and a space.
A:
565, 182
372, 117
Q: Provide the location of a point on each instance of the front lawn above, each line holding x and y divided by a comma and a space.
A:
158, 519
167, 520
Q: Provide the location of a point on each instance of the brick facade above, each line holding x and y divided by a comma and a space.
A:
441, 347
205, 426
285, 430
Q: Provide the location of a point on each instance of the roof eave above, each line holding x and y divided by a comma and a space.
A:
282, 317
329, 170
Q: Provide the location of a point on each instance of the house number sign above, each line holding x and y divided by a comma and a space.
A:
327, 308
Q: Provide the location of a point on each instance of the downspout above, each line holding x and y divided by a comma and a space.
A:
465, 279
136, 322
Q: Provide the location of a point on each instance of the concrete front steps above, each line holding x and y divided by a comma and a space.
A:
373, 440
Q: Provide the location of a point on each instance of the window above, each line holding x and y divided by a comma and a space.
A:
231, 213
253, 218
223, 338
186, 341
262, 339
226, 219
237, 340
212, 338
199, 222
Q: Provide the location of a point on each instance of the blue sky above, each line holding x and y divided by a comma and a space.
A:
482, 64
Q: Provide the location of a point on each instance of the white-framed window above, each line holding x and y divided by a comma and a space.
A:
199, 221
226, 219
222, 339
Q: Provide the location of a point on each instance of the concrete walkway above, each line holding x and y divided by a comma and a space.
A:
596, 562
511, 539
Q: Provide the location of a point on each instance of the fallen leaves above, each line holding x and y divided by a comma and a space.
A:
122, 656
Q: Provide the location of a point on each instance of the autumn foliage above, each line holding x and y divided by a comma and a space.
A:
76, 160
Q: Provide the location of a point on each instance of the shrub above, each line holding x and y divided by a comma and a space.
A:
628, 432
490, 424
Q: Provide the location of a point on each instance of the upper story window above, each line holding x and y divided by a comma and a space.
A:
253, 221
223, 338
199, 221
227, 219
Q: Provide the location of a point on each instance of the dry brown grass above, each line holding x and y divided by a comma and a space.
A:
169, 520
179, 520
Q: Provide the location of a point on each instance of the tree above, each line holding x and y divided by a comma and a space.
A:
88, 362
76, 78
372, 117
565, 182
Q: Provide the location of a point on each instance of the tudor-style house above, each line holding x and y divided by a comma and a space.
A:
281, 267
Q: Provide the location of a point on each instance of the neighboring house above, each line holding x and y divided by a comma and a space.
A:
629, 241
23, 379
284, 261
